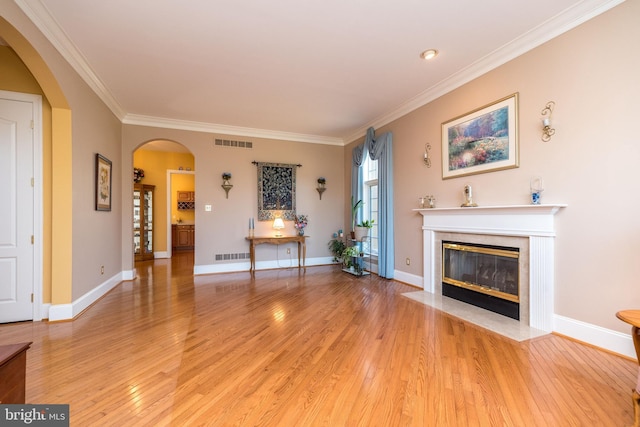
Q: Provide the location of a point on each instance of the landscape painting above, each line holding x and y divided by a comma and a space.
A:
483, 140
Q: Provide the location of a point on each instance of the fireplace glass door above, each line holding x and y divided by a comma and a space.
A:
487, 270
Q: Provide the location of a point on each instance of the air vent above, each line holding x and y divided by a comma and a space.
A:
231, 257
230, 143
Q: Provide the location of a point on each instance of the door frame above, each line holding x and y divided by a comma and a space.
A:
38, 226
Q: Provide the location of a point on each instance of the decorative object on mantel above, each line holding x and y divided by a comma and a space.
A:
138, 174
427, 160
468, 197
484, 140
427, 202
321, 186
547, 130
537, 187
226, 176
300, 223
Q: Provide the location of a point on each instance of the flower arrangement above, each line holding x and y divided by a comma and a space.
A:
300, 223
138, 174
226, 176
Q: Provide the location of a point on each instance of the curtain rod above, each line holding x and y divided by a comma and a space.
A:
256, 163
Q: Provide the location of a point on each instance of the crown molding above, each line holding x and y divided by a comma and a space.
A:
559, 24
140, 120
41, 17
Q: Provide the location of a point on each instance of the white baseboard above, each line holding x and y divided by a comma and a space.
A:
410, 279
69, 311
607, 339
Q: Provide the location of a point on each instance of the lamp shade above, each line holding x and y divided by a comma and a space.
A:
278, 224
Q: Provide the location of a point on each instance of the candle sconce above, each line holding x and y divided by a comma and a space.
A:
547, 130
427, 159
321, 186
226, 184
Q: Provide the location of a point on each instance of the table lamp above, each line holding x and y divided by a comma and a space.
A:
278, 224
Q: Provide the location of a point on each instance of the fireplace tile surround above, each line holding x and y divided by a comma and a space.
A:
528, 227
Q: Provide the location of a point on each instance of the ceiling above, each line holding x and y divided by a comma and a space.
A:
315, 71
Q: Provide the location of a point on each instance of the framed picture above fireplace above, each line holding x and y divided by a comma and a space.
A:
483, 140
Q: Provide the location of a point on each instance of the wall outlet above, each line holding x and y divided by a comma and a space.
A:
102, 269
408, 261
288, 250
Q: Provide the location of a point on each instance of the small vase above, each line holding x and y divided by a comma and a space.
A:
301, 232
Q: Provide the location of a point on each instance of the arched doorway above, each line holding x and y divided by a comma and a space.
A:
168, 168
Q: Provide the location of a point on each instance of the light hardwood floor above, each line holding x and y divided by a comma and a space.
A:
314, 348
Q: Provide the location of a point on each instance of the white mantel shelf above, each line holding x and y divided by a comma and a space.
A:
536, 222
514, 220
506, 209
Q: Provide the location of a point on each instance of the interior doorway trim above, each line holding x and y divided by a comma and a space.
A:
169, 193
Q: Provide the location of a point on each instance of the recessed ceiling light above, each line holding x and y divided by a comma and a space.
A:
429, 54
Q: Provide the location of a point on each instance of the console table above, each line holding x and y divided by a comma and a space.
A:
13, 363
254, 241
632, 317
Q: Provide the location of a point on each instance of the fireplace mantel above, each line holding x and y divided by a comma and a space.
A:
513, 220
535, 222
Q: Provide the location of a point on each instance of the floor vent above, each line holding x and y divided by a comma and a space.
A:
230, 143
232, 257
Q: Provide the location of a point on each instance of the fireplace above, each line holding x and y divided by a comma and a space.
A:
530, 228
482, 275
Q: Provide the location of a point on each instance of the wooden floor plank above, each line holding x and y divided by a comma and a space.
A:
314, 347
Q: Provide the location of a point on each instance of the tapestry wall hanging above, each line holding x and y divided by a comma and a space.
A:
276, 191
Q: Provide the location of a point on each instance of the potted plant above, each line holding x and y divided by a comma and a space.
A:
354, 213
362, 229
337, 247
351, 258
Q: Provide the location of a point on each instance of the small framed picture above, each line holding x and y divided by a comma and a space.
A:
483, 140
103, 183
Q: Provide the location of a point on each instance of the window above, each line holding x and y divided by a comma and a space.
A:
370, 197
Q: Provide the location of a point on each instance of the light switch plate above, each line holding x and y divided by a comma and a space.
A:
207, 208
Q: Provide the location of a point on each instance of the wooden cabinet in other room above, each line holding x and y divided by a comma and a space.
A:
183, 236
143, 221
186, 200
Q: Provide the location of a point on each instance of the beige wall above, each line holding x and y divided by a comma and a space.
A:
592, 75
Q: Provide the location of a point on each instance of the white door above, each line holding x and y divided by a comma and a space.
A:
16, 210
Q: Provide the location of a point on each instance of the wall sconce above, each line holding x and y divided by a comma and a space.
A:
226, 176
278, 225
547, 130
427, 160
321, 186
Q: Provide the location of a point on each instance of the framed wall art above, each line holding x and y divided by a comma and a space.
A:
103, 183
276, 191
483, 140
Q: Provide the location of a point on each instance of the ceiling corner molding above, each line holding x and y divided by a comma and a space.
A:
559, 24
159, 122
42, 19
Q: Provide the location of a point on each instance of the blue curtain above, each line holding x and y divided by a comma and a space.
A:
380, 149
